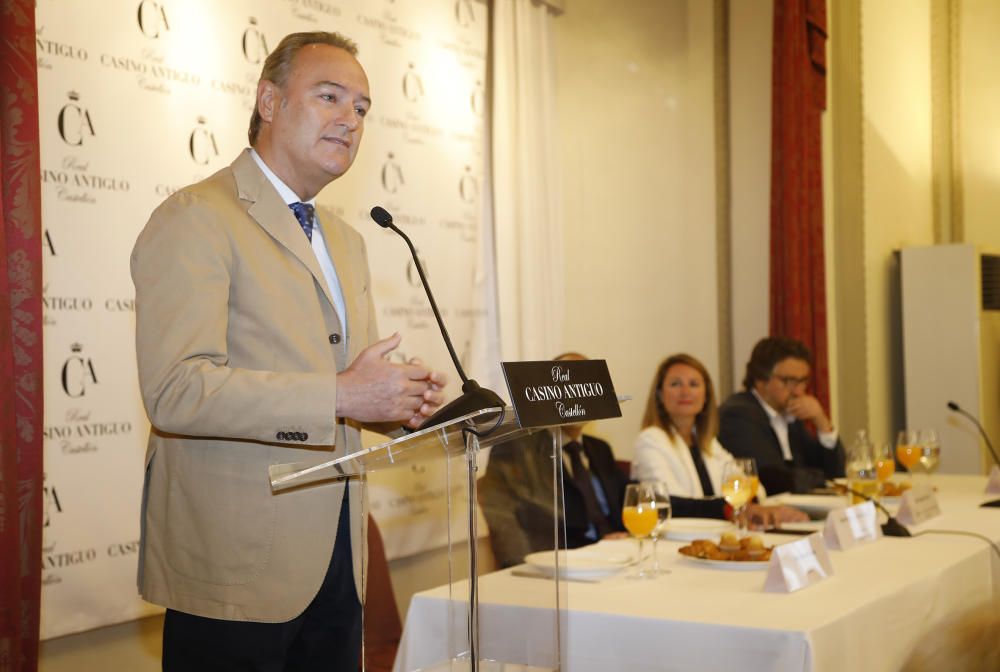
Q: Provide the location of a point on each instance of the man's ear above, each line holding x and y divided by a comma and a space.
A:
267, 99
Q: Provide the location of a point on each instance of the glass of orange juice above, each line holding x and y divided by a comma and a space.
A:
640, 518
908, 450
885, 463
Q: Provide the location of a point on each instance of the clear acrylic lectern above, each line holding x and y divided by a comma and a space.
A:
446, 628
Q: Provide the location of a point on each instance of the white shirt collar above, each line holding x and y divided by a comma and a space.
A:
286, 192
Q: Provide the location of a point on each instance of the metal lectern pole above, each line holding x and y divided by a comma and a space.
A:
471, 451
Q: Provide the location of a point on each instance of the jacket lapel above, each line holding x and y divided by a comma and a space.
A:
274, 216
340, 254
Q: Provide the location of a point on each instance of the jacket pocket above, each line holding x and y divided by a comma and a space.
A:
220, 516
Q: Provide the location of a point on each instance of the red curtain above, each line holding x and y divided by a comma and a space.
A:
20, 341
797, 278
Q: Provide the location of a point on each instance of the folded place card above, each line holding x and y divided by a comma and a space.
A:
918, 505
846, 528
797, 565
993, 483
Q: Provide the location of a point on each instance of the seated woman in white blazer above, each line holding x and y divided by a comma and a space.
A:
677, 444
681, 418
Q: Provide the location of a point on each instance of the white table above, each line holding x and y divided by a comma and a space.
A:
882, 598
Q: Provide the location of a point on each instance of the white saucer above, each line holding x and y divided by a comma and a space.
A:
689, 529
581, 563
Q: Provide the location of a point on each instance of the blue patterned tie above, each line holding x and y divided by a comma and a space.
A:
304, 213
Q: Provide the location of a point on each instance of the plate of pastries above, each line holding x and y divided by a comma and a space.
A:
730, 552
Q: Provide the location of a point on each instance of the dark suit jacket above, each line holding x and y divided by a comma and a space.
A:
517, 500
745, 431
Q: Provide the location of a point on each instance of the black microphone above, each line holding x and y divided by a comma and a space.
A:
474, 397
958, 409
891, 527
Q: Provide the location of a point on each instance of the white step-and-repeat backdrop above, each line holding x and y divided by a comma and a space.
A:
138, 99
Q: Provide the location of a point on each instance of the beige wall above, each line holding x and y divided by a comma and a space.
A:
903, 121
636, 141
896, 76
979, 116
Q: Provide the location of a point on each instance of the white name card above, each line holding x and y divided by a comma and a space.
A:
797, 565
993, 483
851, 526
918, 505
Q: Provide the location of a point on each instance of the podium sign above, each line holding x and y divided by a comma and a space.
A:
563, 392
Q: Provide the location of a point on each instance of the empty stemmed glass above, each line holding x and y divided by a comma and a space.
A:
639, 517
930, 451
662, 504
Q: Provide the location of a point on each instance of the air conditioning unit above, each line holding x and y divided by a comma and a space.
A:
951, 348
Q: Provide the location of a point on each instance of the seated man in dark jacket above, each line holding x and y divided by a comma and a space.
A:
517, 497
766, 421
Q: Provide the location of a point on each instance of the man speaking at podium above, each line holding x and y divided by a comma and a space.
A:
256, 345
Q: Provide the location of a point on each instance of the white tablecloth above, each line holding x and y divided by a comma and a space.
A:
882, 598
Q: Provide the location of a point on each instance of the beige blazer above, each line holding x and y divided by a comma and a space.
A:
238, 346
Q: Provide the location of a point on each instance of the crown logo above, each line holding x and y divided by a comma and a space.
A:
76, 347
253, 21
74, 96
201, 119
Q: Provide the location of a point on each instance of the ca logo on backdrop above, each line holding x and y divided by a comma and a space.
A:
254, 44
392, 174
74, 121
477, 99
201, 144
465, 16
152, 18
77, 373
412, 276
413, 85
468, 186
51, 501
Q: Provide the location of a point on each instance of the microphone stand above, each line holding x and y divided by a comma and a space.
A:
891, 527
958, 409
474, 397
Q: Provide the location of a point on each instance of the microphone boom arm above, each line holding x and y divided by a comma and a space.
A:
430, 297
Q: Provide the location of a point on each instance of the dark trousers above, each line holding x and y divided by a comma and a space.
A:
326, 636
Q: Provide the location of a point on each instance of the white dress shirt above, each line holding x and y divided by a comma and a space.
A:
318, 244
779, 423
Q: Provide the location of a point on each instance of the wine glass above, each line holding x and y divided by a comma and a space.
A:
862, 471
639, 517
739, 484
662, 495
908, 450
930, 451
